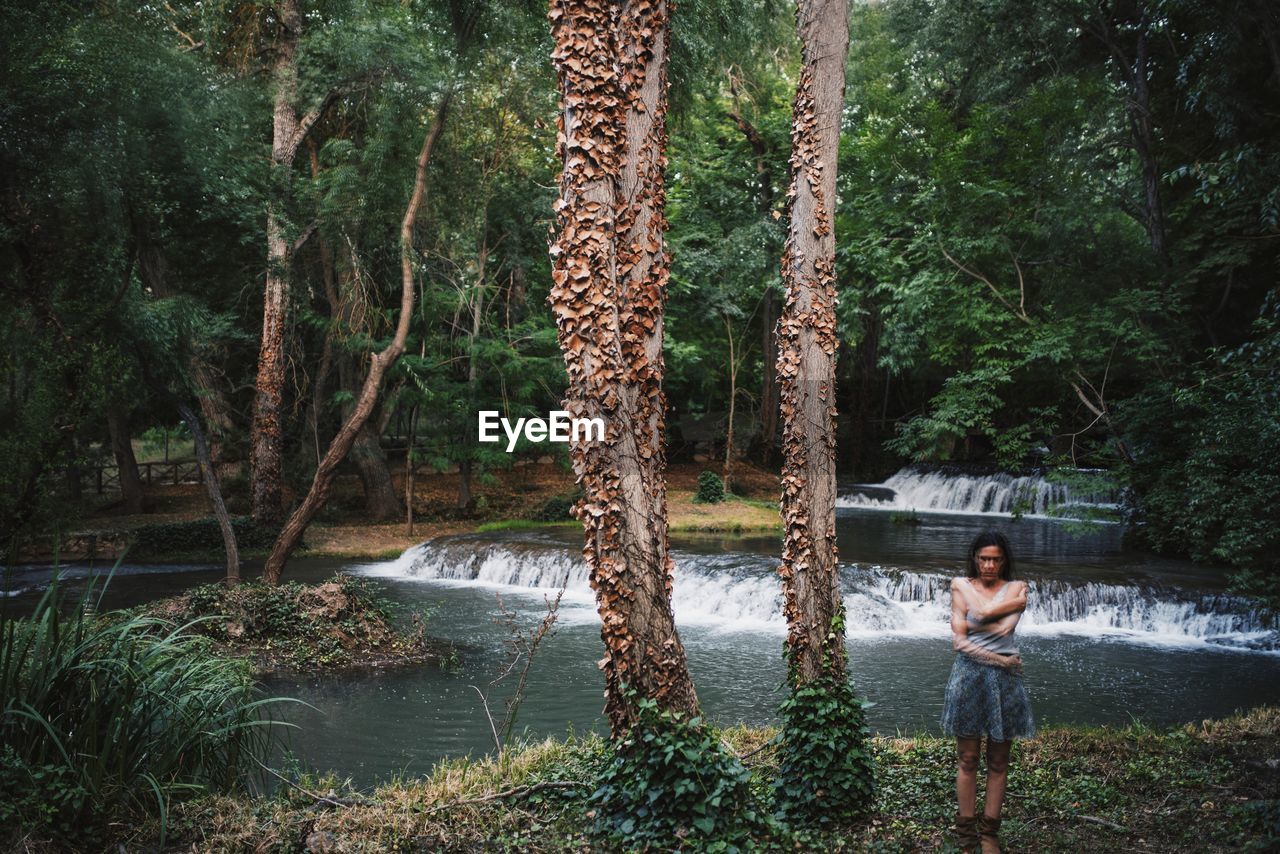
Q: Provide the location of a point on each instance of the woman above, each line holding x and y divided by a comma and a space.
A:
985, 695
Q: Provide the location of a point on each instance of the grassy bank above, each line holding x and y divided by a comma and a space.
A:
1208, 787
734, 515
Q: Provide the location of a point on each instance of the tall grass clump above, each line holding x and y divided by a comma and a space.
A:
110, 716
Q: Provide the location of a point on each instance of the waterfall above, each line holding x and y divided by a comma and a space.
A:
915, 488
740, 592
503, 564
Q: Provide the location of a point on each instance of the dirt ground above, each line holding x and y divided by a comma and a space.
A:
509, 494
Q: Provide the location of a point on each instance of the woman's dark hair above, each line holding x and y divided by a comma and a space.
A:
990, 537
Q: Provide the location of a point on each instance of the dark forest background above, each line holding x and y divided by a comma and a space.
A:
1058, 243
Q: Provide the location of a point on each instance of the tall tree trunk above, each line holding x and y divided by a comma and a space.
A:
214, 488
767, 440
733, 398
213, 406
126, 462
807, 351
381, 503
473, 372
350, 312
1144, 141
319, 388
770, 389
267, 438
410, 469
1134, 70
610, 274
379, 364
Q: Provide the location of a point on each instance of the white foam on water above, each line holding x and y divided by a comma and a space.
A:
742, 593
999, 494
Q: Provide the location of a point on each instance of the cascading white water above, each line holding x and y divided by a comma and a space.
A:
1001, 493
740, 592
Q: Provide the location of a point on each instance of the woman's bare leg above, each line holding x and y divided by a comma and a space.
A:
997, 775
967, 751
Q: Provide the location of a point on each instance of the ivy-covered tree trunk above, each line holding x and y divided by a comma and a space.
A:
807, 351
609, 277
824, 769
267, 436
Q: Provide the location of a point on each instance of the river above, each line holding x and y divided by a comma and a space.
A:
1110, 636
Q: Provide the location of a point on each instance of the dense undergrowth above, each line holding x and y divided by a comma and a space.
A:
107, 719
339, 623
1212, 787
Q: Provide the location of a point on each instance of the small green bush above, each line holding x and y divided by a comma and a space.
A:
671, 783
825, 774
710, 489
558, 508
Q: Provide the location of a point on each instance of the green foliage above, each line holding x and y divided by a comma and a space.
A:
1260, 822
825, 770
115, 713
558, 508
670, 781
194, 537
710, 488
1204, 482
121, 148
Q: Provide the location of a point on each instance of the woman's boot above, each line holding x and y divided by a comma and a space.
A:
967, 832
989, 828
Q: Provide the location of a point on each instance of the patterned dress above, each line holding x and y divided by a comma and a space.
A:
982, 699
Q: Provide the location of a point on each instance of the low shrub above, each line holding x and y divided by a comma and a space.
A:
165, 539
558, 508
670, 782
710, 489
825, 773
117, 713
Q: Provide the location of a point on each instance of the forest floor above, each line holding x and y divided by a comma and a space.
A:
519, 494
1209, 787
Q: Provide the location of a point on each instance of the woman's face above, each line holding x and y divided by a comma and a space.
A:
990, 561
